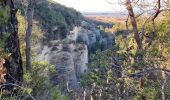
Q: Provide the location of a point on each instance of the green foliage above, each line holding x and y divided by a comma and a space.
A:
11, 98
4, 15
57, 20
27, 77
86, 79
149, 92
40, 77
38, 82
3, 39
168, 89
27, 90
102, 72
38, 85
4, 54
154, 52
56, 94
36, 35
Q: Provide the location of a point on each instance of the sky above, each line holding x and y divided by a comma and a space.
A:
91, 5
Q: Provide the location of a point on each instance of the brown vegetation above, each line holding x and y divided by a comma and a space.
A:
2, 71
107, 19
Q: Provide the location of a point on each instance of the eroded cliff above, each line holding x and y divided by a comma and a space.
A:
70, 55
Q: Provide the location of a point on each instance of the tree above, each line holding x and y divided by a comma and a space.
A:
134, 24
157, 6
10, 50
30, 12
136, 62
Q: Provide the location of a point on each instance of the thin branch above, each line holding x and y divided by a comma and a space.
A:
14, 78
143, 27
111, 2
142, 73
164, 86
17, 86
157, 10
153, 22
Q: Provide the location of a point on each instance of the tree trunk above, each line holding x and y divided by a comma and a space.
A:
139, 58
30, 12
13, 63
134, 24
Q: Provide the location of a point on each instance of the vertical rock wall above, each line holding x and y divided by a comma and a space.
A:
70, 55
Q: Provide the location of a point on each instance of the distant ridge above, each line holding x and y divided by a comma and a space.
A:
105, 14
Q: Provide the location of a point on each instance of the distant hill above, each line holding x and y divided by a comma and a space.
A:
106, 17
105, 14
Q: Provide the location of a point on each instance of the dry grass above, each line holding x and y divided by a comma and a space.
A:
107, 19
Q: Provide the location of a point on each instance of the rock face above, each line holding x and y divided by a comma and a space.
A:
70, 55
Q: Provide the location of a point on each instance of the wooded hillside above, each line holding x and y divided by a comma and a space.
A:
51, 52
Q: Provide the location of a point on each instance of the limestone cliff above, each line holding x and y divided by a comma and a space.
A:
70, 55
68, 40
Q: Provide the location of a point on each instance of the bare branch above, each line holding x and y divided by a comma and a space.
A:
157, 10
143, 27
143, 72
111, 2
16, 86
127, 19
164, 86
153, 22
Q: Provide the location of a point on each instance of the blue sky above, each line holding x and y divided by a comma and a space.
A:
91, 5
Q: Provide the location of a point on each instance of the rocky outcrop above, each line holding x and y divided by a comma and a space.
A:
70, 55
70, 59
82, 35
